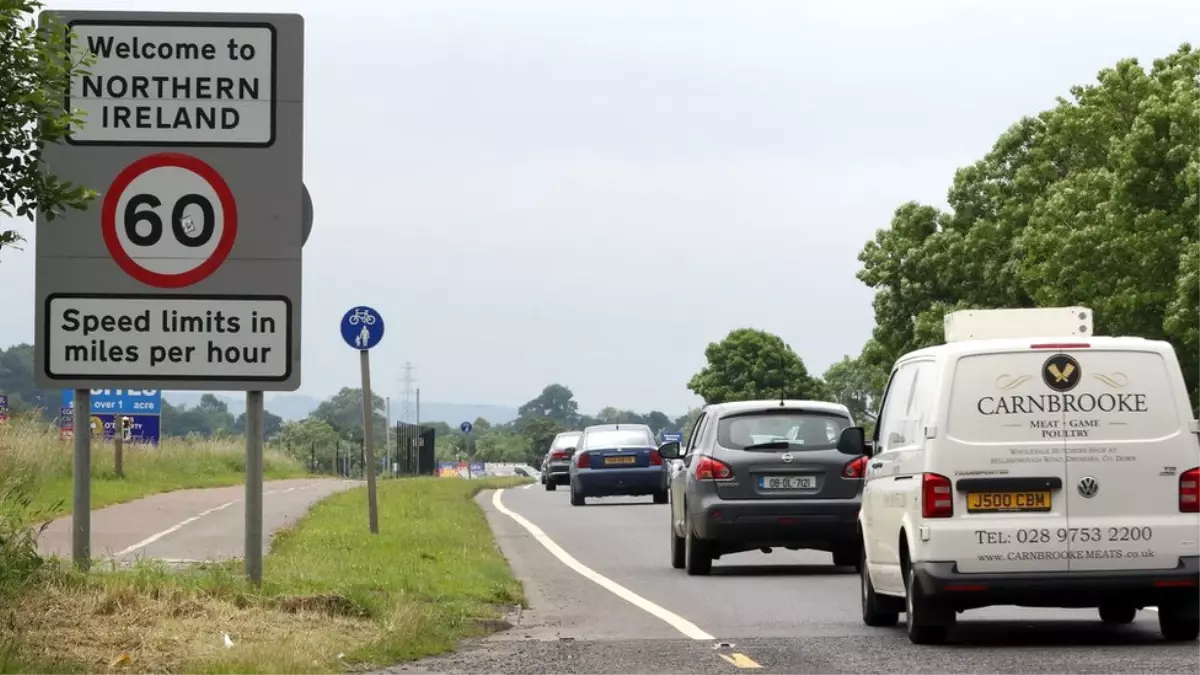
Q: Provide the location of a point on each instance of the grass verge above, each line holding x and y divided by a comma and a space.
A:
36, 461
334, 597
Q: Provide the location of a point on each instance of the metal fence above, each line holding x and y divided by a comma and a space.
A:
414, 450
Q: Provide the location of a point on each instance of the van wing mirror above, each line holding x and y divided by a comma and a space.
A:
852, 441
669, 450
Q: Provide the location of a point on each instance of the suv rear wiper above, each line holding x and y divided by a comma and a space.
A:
769, 445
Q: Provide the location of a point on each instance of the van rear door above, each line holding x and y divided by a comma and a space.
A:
1127, 442
1004, 459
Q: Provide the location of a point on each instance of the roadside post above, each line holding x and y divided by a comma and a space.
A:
187, 274
362, 329
119, 438
466, 428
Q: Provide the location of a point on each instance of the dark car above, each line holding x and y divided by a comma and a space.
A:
617, 460
763, 475
557, 463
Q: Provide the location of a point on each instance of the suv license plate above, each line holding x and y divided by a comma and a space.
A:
787, 482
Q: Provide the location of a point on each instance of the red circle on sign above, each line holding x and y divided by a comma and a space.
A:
108, 220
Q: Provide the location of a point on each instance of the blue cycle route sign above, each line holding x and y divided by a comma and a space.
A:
362, 328
466, 427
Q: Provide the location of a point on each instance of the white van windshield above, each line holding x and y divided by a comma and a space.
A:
1041, 396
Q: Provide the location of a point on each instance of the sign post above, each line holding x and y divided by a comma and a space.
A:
362, 329
187, 275
466, 428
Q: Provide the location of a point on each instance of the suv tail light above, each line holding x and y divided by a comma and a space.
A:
937, 497
558, 454
655, 458
713, 469
1189, 491
583, 461
855, 468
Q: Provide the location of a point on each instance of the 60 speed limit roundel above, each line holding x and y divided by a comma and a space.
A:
169, 220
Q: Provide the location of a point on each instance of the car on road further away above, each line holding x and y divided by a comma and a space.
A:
617, 460
557, 464
760, 475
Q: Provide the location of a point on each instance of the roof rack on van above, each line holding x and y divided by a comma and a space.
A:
983, 324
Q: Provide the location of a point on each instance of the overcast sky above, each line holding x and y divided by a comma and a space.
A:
591, 192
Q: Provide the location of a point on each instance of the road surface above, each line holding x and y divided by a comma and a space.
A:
784, 612
190, 525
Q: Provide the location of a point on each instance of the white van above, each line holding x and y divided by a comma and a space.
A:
1035, 471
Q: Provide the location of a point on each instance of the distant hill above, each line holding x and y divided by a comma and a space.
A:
293, 407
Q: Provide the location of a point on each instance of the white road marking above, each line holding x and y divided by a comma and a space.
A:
174, 528
677, 622
528, 486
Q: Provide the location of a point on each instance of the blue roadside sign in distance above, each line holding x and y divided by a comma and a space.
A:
466, 427
119, 401
362, 328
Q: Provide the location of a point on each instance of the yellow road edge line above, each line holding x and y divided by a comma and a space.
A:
740, 660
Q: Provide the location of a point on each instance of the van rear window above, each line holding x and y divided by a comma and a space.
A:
1039, 396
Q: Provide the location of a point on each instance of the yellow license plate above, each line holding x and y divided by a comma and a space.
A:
619, 460
1008, 501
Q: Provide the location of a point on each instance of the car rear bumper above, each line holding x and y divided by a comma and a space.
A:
559, 472
613, 482
1141, 588
778, 522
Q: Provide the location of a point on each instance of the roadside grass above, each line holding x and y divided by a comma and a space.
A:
334, 597
33, 457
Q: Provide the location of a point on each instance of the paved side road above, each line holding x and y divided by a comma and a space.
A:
190, 525
604, 599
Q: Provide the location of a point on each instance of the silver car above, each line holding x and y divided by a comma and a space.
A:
556, 466
766, 474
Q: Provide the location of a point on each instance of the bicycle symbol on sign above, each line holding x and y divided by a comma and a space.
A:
362, 315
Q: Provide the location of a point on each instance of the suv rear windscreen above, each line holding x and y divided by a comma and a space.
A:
564, 442
800, 430
619, 438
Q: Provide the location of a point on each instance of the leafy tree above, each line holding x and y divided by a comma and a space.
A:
272, 424
344, 412
310, 438
36, 68
752, 364
857, 384
556, 402
501, 445
16, 380
539, 431
1092, 202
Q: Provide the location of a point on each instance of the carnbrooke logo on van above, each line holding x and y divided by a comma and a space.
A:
1061, 373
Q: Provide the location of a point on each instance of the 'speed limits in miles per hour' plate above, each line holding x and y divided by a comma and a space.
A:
169, 220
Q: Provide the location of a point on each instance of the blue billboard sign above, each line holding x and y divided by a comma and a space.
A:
142, 428
120, 401
670, 436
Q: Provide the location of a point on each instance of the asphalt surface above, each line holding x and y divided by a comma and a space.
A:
783, 612
190, 525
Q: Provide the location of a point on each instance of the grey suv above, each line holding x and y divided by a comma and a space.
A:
556, 466
765, 474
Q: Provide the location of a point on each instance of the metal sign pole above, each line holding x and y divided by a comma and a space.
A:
81, 501
254, 485
368, 434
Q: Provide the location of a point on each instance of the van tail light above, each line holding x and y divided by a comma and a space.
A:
855, 468
937, 498
584, 460
713, 469
1189, 491
1061, 345
655, 458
